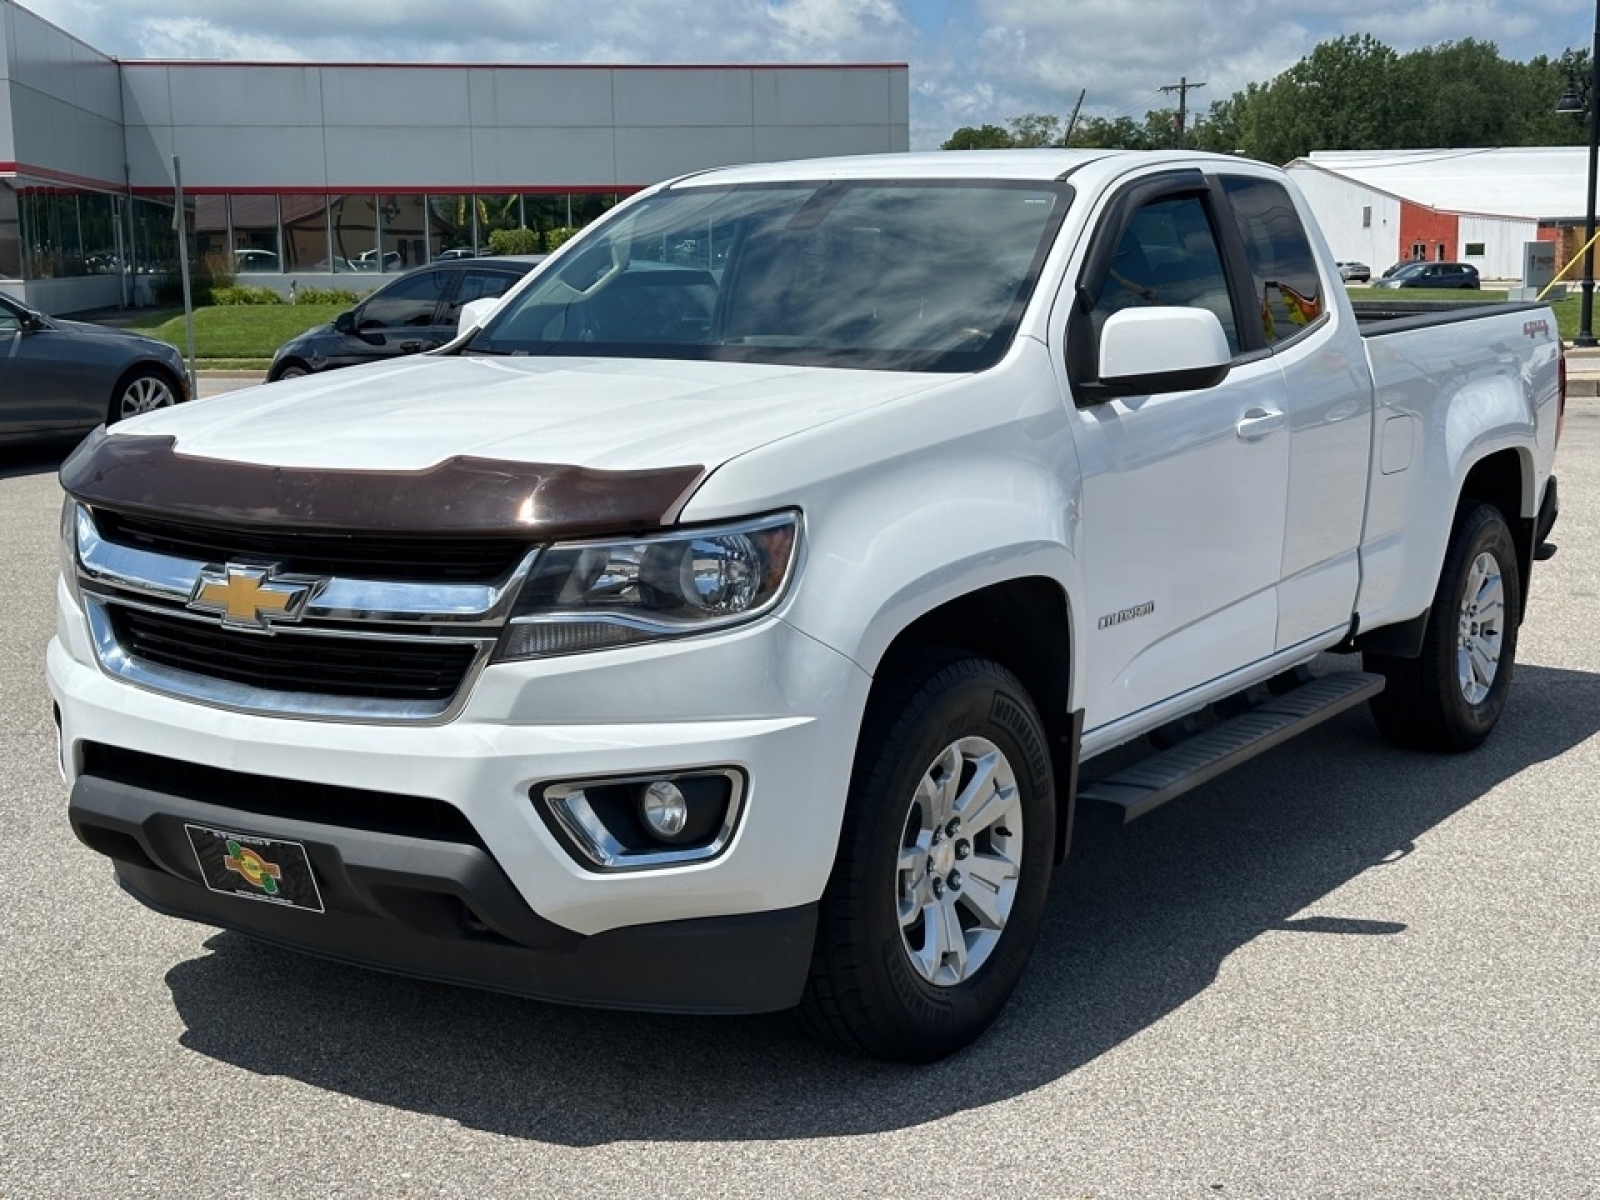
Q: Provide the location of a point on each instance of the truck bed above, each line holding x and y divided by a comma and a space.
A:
1379, 317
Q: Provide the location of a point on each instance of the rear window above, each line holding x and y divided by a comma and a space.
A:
1288, 289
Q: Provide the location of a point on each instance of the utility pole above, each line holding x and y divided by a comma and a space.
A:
1183, 87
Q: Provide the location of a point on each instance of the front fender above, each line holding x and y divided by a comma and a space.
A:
966, 484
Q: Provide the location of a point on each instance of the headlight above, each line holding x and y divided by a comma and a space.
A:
595, 595
71, 514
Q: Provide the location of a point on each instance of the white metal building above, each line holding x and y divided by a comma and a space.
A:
308, 171
1477, 206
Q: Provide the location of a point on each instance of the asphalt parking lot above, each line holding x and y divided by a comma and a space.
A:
1341, 971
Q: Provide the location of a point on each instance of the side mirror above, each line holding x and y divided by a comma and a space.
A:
1149, 350
345, 323
475, 312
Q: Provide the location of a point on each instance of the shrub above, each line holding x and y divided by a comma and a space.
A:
554, 237
245, 295
316, 295
514, 241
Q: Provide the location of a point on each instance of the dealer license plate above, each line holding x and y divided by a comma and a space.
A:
255, 868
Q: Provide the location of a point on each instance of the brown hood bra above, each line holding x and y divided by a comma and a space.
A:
466, 495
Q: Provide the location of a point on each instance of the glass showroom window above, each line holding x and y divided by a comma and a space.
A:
305, 234
102, 240
10, 233
211, 232
590, 206
353, 221
155, 245
450, 227
404, 232
496, 212
547, 212
52, 245
254, 224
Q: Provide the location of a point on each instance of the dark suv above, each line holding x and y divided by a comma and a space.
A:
1432, 275
416, 312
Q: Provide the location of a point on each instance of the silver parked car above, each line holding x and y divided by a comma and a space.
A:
62, 378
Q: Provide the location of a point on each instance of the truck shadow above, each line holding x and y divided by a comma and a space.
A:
35, 458
1142, 920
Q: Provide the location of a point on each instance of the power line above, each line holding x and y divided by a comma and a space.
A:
1183, 87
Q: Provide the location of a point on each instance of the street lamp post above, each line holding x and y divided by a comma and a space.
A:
1571, 103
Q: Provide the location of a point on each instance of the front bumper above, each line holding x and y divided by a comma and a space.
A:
446, 911
493, 896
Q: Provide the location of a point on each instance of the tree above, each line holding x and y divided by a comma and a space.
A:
1035, 129
1351, 93
986, 137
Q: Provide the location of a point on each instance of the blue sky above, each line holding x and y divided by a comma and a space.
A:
972, 61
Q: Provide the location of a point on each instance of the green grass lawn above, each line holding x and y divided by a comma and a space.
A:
239, 335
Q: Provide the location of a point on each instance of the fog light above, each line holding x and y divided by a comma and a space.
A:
664, 808
639, 822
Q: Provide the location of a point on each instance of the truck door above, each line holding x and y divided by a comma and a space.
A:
1182, 500
1329, 391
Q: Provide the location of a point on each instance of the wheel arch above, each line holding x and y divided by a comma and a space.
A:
293, 360
143, 366
1504, 479
1025, 625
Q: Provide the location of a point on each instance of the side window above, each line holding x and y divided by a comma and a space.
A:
1168, 256
9, 321
477, 285
1288, 291
411, 300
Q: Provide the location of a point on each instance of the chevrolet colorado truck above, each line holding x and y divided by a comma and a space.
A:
721, 622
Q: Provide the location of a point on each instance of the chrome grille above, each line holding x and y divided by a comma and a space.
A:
288, 662
400, 649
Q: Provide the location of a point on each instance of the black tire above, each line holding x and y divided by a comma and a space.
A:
289, 369
141, 390
1428, 703
865, 993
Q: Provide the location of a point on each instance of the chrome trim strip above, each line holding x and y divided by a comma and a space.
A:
570, 807
466, 637
238, 697
167, 577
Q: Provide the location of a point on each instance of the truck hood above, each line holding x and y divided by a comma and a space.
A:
608, 414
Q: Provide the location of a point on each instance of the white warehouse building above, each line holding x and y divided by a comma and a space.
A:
306, 171
1478, 206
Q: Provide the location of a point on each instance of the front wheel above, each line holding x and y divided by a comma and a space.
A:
1451, 695
143, 391
943, 868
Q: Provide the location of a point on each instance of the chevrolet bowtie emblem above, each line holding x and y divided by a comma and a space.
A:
250, 597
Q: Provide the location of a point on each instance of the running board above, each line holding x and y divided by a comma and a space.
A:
1151, 782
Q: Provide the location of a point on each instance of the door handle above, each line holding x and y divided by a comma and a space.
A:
410, 347
1257, 423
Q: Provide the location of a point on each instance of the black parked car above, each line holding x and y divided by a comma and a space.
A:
1432, 275
416, 312
62, 378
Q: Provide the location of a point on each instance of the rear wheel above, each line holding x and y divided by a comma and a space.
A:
941, 879
141, 391
1451, 695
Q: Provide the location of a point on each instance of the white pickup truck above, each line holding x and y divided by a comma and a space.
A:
722, 625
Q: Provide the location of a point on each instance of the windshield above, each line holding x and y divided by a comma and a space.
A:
920, 276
